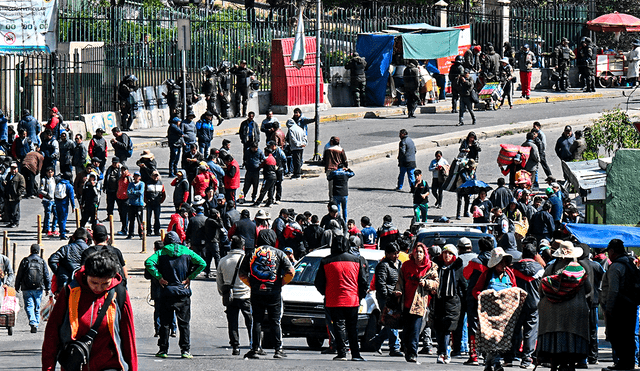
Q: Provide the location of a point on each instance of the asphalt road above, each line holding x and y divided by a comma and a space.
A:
371, 194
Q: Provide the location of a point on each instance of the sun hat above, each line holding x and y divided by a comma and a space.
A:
567, 250
261, 214
497, 255
450, 248
198, 200
147, 154
504, 60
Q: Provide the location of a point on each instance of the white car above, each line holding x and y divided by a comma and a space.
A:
304, 313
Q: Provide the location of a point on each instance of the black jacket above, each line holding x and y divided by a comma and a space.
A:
447, 302
528, 274
313, 236
196, 233
386, 278
66, 260
246, 228
23, 269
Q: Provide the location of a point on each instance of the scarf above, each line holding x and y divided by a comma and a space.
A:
565, 285
447, 286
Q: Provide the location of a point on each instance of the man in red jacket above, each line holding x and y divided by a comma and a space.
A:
78, 306
342, 279
231, 178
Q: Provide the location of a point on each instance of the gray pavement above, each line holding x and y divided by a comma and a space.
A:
371, 194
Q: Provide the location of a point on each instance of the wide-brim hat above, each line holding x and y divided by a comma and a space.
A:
198, 200
505, 60
567, 250
497, 255
261, 214
147, 154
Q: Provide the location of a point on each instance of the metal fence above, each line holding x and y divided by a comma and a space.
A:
485, 21
549, 23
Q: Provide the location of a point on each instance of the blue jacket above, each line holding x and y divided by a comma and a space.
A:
252, 160
136, 193
281, 159
3, 128
70, 194
189, 131
23, 147
303, 122
217, 170
205, 130
563, 147
174, 133
32, 127
556, 207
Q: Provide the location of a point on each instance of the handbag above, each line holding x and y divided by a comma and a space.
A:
392, 315
76, 353
474, 96
227, 290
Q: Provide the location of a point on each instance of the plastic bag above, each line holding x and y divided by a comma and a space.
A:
46, 309
10, 303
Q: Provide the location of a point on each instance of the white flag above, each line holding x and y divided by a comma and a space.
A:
299, 54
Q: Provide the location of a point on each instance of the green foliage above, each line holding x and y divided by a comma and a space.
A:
152, 4
609, 133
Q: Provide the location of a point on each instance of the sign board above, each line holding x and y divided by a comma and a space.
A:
27, 25
184, 34
637, 126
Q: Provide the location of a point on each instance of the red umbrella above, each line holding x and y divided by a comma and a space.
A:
615, 22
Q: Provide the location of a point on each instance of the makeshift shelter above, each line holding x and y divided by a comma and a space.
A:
419, 41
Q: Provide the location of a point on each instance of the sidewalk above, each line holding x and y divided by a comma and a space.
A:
362, 138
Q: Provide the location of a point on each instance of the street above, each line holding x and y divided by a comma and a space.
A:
371, 194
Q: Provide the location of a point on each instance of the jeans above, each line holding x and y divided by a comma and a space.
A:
156, 319
50, 220
123, 211
420, 212
135, 214
444, 337
342, 204
30, 182
203, 147
410, 175
593, 334
62, 212
272, 303
410, 332
387, 333
278, 186
32, 305
155, 210
296, 157
181, 307
234, 308
345, 326
174, 157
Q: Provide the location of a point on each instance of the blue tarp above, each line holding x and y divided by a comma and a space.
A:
430, 45
599, 235
377, 51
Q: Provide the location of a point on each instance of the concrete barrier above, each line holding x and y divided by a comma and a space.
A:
104, 120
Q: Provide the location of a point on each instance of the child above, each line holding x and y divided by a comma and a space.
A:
369, 235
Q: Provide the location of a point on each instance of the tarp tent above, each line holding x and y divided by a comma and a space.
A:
421, 41
599, 235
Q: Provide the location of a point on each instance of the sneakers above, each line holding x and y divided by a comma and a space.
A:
359, 359
186, 354
121, 233
49, 234
472, 361
261, 352
447, 360
507, 364
279, 354
329, 350
426, 350
34, 329
527, 363
173, 333
340, 357
235, 351
252, 354
442, 359
56, 234
396, 353
161, 354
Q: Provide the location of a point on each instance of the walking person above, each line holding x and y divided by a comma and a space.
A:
175, 137
90, 201
111, 177
342, 279
253, 159
331, 158
269, 173
534, 156
406, 160
66, 153
68, 259
420, 198
411, 78
31, 167
122, 199
231, 178
249, 133
456, 70
242, 73
63, 195
465, 90
265, 271
122, 146
418, 280
154, 196
135, 204
33, 278
542, 148
181, 189
97, 148
240, 294
340, 178
466, 173
439, 167
50, 149
174, 267
506, 79
281, 163
14, 190
633, 71
205, 130
447, 305
357, 66
47, 194
80, 154
526, 59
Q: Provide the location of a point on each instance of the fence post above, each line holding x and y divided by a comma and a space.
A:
39, 229
5, 243
144, 238
15, 249
111, 231
77, 217
441, 9
504, 20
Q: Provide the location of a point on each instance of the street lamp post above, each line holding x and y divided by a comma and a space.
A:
316, 155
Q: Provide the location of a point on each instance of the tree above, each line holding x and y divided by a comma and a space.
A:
610, 132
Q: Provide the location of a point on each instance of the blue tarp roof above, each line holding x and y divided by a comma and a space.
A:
599, 235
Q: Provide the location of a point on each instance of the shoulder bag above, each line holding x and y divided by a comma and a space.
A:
227, 290
474, 96
76, 353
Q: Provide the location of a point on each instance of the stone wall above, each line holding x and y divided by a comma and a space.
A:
623, 188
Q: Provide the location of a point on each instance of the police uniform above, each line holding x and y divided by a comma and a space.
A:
563, 55
411, 77
357, 65
210, 91
242, 90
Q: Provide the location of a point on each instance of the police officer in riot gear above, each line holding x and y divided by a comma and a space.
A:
174, 97
242, 73
210, 91
357, 65
456, 70
411, 77
586, 64
191, 95
563, 57
127, 86
224, 88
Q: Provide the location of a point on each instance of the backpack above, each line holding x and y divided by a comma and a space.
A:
632, 284
60, 192
263, 265
129, 146
33, 275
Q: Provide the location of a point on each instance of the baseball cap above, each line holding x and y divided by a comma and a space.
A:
567, 128
334, 208
115, 159
100, 232
137, 173
100, 130
14, 164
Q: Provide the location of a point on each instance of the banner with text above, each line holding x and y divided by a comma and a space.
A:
27, 25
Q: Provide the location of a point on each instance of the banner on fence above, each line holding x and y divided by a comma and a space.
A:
27, 25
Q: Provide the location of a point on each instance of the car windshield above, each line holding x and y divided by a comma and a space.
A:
307, 268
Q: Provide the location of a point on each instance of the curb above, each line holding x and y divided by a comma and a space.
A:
391, 149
